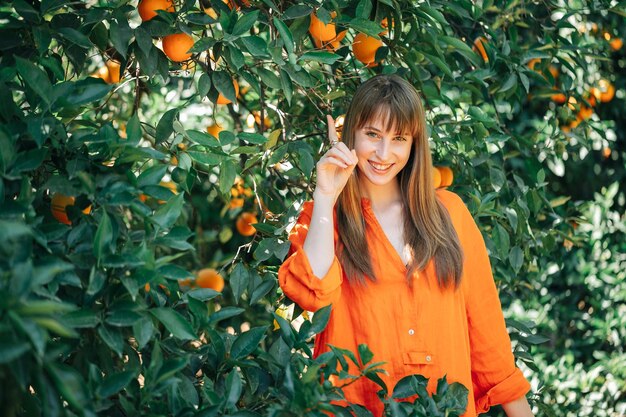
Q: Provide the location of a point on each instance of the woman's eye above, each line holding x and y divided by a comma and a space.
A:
401, 138
372, 134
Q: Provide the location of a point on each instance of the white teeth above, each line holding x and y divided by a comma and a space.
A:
380, 167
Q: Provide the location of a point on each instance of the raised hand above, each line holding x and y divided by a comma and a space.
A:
335, 166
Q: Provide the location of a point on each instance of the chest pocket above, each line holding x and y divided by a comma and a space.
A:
419, 358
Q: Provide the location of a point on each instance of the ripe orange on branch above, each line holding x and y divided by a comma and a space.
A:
210, 278
447, 176
323, 32
147, 8
245, 222
59, 204
364, 48
479, 47
177, 45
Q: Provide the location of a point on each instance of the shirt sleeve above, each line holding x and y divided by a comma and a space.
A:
296, 277
495, 377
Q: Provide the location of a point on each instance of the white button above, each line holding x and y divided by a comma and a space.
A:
428, 358
411, 332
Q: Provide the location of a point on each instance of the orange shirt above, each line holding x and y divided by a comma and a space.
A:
424, 330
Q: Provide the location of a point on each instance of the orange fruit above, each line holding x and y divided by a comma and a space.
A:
559, 98
364, 48
554, 71
436, 177
113, 68
174, 160
584, 113
616, 44
235, 203
244, 224
214, 130
532, 63
172, 187
182, 146
479, 46
210, 278
606, 90
210, 11
267, 123
606, 152
447, 176
332, 44
223, 100
321, 31
233, 4
147, 287
58, 206
177, 45
572, 103
147, 8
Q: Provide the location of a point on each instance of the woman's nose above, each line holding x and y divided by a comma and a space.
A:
383, 149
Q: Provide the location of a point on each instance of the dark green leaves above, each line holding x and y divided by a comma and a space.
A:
174, 322
247, 342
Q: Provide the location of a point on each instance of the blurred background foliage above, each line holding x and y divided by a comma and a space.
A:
152, 161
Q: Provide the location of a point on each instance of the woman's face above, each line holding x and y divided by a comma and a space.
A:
381, 154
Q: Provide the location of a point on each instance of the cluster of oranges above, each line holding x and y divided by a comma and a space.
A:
364, 47
443, 176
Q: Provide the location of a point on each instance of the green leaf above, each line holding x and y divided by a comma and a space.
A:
462, 48
320, 320
256, 46
320, 56
228, 173
246, 343
223, 82
285, 34
143, 331
246, 22
81, 92
225, 313
168, 213
113, 339
9, 351
152, 175
205, 158
75, 37
114, 383
174, 323
238, 280
29, 160
365, 354
35, 78
133, 130
252, 138
409, 386
204, 85
367, 26
516, 258
297, 10
120, 34
165, 127
104, 237
203, 294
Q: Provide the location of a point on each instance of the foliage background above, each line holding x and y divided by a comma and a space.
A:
83, 335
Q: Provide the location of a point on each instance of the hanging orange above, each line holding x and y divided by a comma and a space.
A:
210, 278
245, 222
58, 206
447, 176
436, 177
147, 8
479, 46
364, 48
177, 45
321, 31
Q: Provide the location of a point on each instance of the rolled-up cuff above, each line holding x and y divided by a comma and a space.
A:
324, 286
512, 388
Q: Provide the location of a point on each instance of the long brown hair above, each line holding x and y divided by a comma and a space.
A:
428, 229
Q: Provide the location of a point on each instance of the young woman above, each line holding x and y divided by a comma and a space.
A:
403, 265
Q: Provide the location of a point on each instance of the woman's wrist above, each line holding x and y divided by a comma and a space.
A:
322, 199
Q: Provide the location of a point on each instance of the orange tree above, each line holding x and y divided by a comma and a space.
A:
111, 106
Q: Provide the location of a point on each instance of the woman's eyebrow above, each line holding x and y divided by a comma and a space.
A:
378, 130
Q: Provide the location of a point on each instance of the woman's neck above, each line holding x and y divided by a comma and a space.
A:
382, 197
